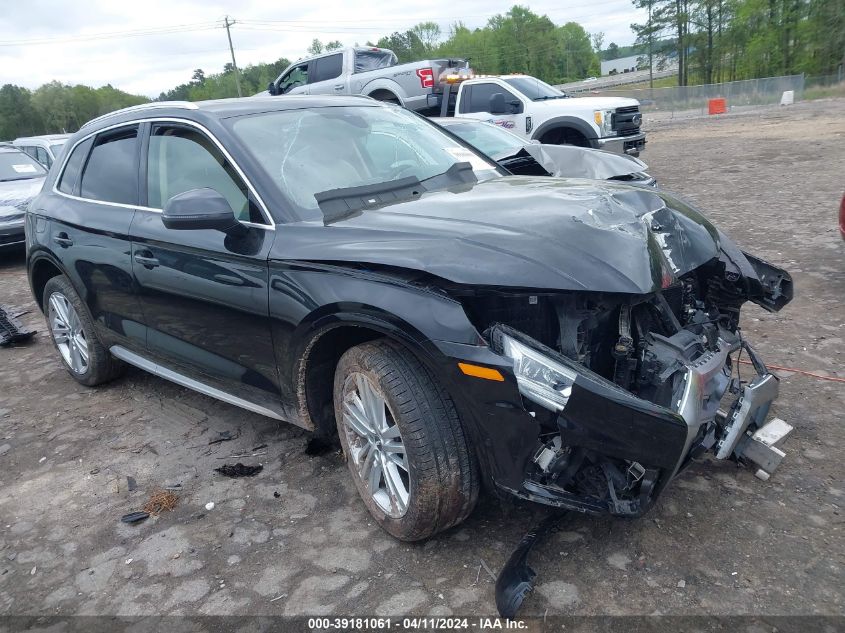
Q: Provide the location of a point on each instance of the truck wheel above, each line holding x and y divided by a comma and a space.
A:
403, 441
72, 331
565, 136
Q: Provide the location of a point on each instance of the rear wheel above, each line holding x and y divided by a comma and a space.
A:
403, 441
72, 331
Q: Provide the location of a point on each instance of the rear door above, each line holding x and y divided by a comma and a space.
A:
204, 292
95, 199
326, 75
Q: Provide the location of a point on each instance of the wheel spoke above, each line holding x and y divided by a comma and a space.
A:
356, 421
373, 403
82, 348
60, 333
395, 487
75, 359
59, 311
368, 457
391, 433
374, 478
398, 458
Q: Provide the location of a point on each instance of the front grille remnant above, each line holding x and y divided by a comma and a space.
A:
11, 330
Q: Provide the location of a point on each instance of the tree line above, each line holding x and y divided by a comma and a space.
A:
725, 40
709, 40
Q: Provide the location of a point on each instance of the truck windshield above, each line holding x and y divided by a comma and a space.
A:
306, 152
489, 138
534, 89
373, 59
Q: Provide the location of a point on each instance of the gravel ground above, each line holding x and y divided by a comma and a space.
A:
296, 539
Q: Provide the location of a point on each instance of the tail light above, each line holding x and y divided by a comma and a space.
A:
426, 76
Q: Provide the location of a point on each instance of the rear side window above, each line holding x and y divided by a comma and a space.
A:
111, 173
327, 68
70, 175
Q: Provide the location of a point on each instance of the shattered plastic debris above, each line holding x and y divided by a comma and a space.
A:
209, 506
516, 579
134, 517
239, 470
11, 330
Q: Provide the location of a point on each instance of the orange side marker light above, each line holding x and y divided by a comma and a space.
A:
481, 372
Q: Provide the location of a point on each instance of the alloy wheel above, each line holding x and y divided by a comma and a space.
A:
376, 446
66, 327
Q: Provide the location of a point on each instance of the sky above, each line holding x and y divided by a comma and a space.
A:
151, 46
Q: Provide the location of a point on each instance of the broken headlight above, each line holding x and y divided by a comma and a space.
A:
540, 379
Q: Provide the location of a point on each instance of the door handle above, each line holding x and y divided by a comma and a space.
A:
63, 240
146, 259
339, 87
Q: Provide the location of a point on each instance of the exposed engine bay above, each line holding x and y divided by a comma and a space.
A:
677, 349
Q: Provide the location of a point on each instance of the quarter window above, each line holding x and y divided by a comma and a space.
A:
182, 158
111, 173
70, 175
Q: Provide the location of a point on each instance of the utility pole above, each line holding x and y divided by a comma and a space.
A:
232, 50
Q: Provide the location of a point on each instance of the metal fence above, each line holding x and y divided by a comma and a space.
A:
751, 92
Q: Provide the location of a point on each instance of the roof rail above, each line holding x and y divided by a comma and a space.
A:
185, 105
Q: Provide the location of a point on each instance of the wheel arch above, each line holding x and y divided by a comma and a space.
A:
567, 123
328, 337
385, 90
42, 268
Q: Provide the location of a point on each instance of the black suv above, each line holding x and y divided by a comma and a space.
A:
349, 267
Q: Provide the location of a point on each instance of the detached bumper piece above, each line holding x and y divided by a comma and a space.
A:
11, 330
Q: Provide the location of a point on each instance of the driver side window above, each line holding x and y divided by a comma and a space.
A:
479, 97
298, 76
182, 158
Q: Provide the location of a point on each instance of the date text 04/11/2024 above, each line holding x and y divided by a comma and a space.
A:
413, 623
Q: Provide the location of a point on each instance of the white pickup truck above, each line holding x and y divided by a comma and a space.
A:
369, 71
522, 104
537, 111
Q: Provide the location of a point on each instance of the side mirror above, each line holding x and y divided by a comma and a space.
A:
515, 106
198, 209
497, 103
272, 89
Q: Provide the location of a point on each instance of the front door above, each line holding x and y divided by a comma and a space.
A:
204, 292
476, 103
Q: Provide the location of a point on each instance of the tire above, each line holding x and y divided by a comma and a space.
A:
99, 366
440, 475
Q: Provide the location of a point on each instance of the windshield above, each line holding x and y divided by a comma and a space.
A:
534, 89
306, 152
490, 139
373, 59
19, 166
56, 148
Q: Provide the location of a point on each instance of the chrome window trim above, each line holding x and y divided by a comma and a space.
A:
184, 105
271, 224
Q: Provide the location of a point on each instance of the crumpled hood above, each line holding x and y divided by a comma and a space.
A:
528, 232
569, 161
16, 194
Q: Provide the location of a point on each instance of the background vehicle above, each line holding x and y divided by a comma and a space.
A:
368, 71
534, 159
537, 111
21, 177
385, 288
44, 149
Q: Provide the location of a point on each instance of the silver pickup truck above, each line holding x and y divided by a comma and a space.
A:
369, 71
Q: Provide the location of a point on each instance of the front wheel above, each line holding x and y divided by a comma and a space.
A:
403, 441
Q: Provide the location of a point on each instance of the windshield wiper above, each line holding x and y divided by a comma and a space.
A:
339, 204
544, 97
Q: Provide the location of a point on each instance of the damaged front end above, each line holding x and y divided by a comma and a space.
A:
625, 390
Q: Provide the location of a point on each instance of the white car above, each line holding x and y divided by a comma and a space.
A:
45, 149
